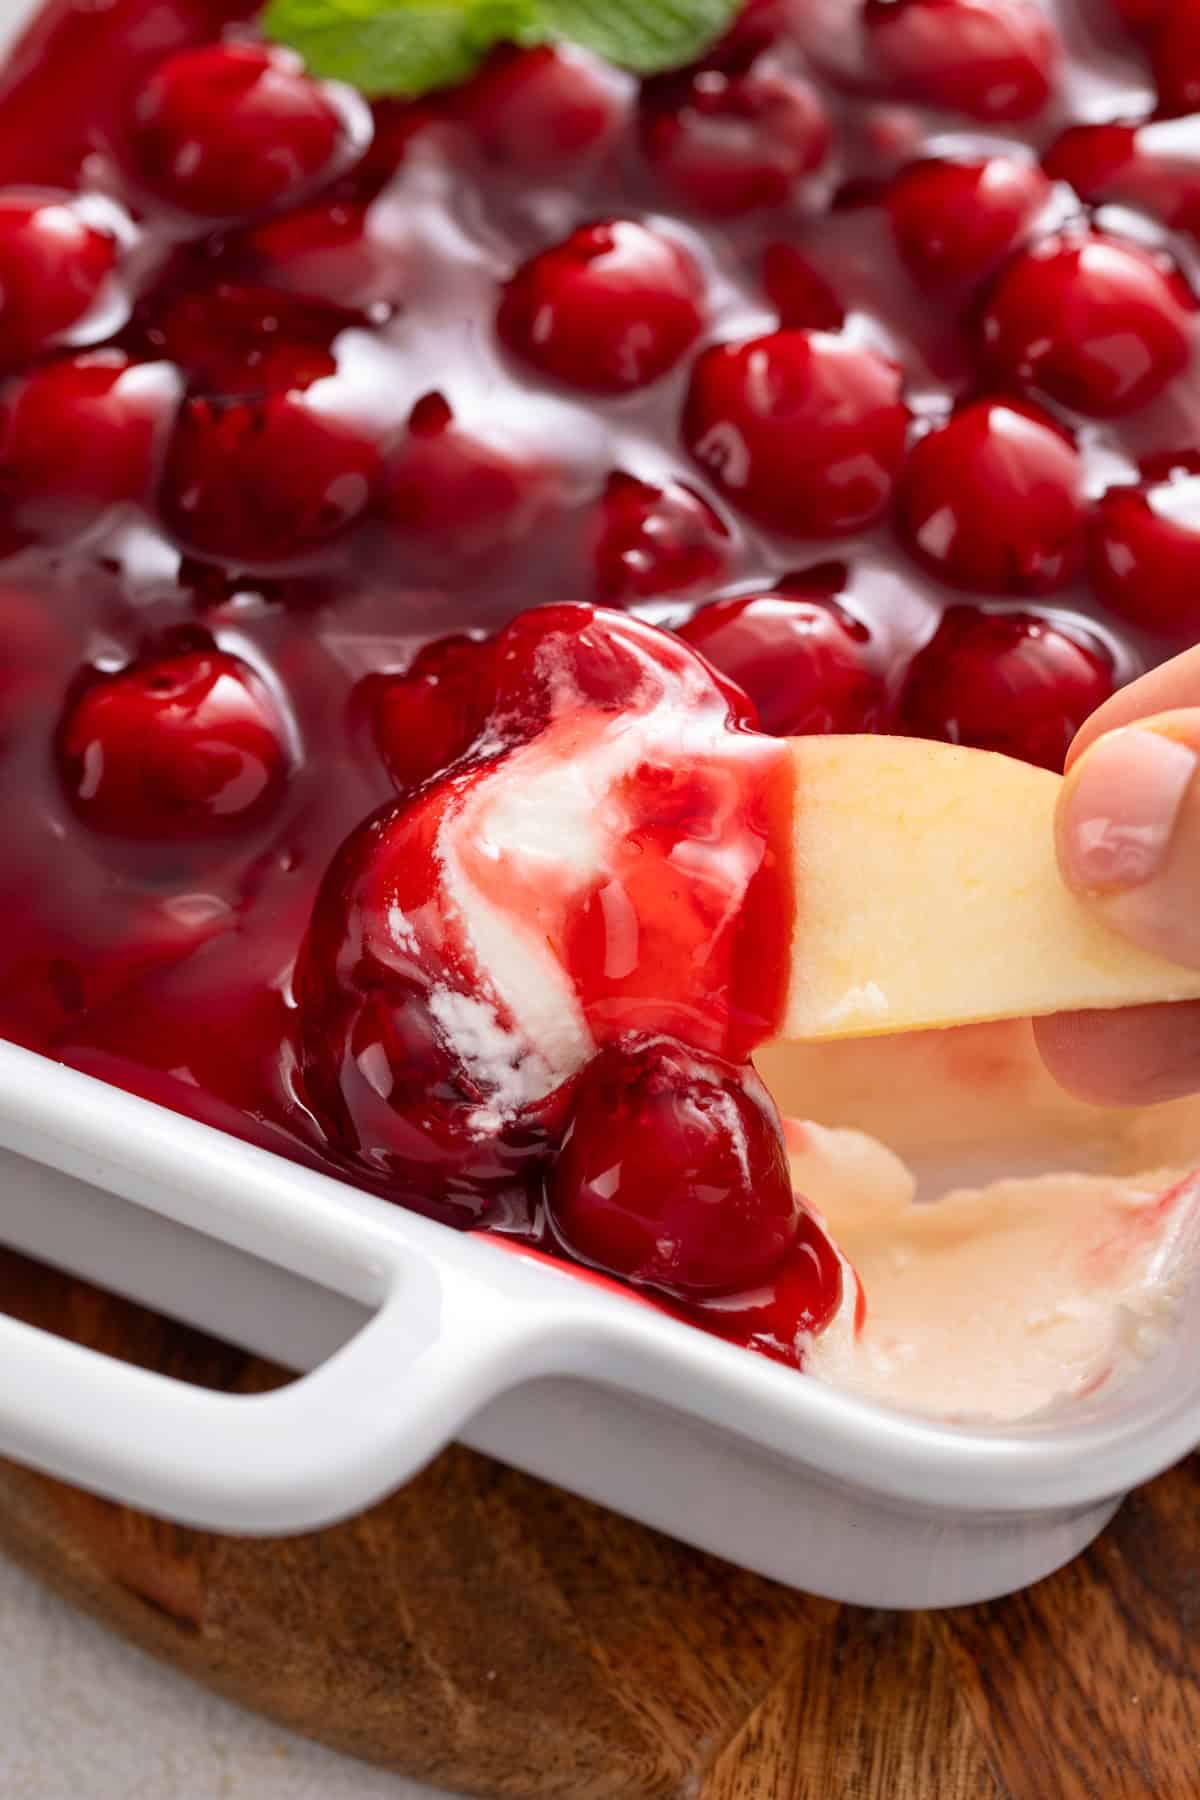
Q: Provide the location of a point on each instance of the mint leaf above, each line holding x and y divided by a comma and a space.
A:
402, 47
646, 36
407, 47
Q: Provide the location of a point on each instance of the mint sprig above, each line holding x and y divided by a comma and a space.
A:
396, 46
407, 47
646, 36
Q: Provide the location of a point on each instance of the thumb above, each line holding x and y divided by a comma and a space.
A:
1128, 830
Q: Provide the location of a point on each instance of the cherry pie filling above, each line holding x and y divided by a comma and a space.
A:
421, 523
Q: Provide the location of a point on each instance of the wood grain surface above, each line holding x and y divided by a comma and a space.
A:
487, 1632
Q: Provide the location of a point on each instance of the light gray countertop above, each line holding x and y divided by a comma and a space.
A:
82, 1714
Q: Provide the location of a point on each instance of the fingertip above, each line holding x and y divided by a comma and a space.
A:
1132, 1056
1119, 808
1127, 829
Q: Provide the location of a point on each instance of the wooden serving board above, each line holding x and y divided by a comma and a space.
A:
489, 1633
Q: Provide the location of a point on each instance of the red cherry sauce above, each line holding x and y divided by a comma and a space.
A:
601, 866
861, 354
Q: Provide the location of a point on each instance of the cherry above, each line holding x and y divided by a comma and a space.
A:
672, 1172
611, 308
799, 292
54, 262
655, 540
400, 1018
1098, 325
991, 59
329, 250
68, 74
1091, 158
1016, 682
955, 222
236, 338
175, 746
796, 1303
726, 144
808, 665
394, 1100
532, 109
756, 26
426, 718
1139, 15
79, 434
992, 501
261, 481
801, 429
1144, 547
452, 494
232, 128
610, 662
1154, 166
1175, 57
382, 974
395, 127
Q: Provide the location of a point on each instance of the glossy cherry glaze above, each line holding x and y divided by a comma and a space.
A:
304, 403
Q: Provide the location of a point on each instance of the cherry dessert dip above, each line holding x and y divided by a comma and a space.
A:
423, 522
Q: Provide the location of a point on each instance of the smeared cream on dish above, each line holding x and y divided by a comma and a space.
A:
999, 1297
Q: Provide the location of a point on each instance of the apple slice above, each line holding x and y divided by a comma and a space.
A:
927, 894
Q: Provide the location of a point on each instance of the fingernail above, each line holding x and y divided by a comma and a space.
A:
1120, 808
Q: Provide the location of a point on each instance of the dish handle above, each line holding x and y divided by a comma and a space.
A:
294, 1459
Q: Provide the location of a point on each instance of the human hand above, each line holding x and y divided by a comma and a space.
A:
1128, 829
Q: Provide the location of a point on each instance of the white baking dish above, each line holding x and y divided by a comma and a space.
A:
416, 1334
